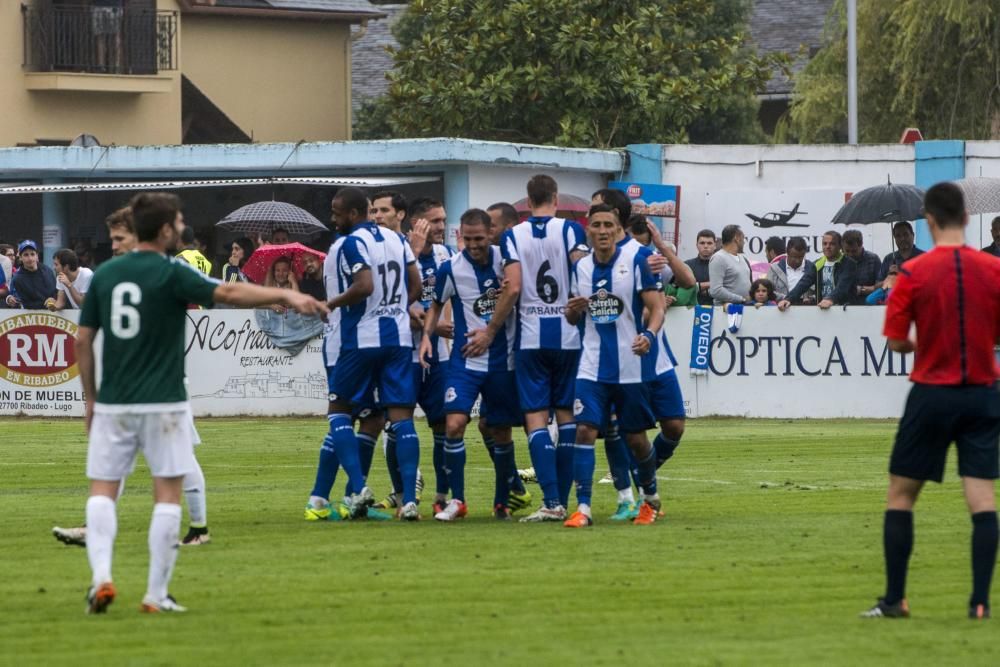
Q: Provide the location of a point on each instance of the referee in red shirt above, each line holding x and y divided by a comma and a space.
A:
952, 294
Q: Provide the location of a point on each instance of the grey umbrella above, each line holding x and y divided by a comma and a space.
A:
882, 203
982, 195
264, 217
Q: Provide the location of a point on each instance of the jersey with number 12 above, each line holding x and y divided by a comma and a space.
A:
543, 246
139, 301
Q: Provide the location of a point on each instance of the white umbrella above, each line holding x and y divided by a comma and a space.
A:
982, 195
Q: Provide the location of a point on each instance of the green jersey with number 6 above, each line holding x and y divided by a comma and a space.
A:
139, 301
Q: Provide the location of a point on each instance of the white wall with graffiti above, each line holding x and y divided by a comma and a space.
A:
802, 363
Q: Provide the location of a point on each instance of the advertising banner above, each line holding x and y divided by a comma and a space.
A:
802, 363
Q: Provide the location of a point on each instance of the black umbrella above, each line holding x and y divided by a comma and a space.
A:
882, 203
264, 217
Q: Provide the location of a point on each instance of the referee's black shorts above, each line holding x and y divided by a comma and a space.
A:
935, 417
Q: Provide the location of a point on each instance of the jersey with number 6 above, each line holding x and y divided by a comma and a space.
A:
139, 301
543, 245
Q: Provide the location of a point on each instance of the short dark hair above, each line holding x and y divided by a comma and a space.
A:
907, 226
604, 208
853, 237
637, 224
421, 205
398, 200
507, 212
836, 237
151, 211
68, 259
705, 234
776, 244
946, 203
729, 233
476, 216
542, 189
797, 243
121, 218
353, 199
187, 236
615, 198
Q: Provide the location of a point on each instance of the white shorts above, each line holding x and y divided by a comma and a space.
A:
166, 440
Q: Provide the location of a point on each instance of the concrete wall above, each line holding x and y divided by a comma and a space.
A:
278, 80
113, 117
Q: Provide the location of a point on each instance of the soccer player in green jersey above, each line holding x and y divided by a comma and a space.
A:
139, 301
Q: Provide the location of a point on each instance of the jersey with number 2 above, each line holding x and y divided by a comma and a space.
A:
543, 246
139, 301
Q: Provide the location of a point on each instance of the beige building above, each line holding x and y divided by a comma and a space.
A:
133, 72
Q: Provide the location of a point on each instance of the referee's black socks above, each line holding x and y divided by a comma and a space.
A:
984, 555
897, 542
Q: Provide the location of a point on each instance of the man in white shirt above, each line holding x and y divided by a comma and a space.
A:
786, 273
72, 281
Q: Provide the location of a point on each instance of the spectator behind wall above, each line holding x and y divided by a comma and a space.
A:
239, 253
706, 245
868, 265
34, 283
902, 235
786, 273
729, 272
834, 277
774, 249
72, 281
994, 248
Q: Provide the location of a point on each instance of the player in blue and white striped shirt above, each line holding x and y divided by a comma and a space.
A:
471, 282
377, 279
614, 287
537, 257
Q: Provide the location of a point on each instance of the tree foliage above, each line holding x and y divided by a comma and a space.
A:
932, 65
576, 72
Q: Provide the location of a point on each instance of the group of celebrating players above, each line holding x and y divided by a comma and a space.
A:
542, 325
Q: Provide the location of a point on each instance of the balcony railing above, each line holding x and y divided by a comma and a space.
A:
99, 40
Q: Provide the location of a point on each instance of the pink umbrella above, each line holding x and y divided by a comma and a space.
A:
263, 257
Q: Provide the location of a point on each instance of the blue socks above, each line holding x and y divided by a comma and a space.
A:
618, 459
647, 473
506, 472
408, 454
583, 471
543, 457
392, 461
345, 444
564, 461
440, 472
326, 471
454, 464
490, 444
664, 448
366, 451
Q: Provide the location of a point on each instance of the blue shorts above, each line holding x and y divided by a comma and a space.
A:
430, 390
387, 369
546, 378
665, 397
362, 410
497, 389
630, 402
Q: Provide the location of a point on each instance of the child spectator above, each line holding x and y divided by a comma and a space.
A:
762, 293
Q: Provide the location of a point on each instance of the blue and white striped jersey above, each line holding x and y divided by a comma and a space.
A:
381, 320
474, 290
542, 246
429, 263
331, 281
660, 359
614, 315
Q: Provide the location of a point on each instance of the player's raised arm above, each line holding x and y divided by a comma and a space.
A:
683, 275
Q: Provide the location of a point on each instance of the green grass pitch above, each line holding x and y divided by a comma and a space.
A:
770, 547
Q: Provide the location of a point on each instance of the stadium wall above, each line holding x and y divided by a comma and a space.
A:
802, 363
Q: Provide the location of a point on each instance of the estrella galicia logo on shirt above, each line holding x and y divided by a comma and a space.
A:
605, 307
486, 303
37, 350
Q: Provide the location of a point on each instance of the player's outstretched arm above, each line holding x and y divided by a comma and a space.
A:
85, 363
245, 295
